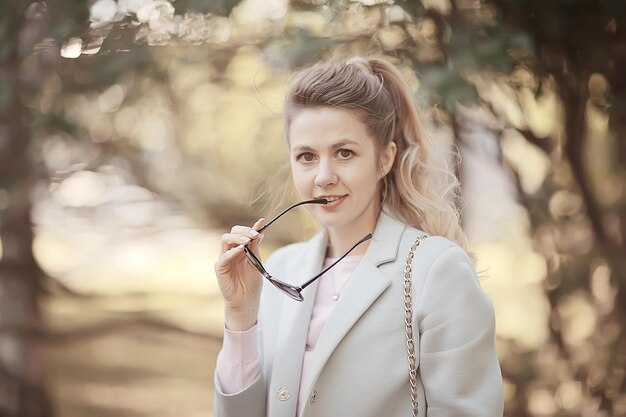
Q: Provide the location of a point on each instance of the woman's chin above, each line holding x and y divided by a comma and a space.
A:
330, 220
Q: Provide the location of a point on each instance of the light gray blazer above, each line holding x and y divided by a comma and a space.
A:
359, 367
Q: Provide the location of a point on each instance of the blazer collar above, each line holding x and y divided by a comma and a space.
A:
383, 246
386, 238
368, 282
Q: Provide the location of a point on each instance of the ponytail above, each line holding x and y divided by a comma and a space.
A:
421, 188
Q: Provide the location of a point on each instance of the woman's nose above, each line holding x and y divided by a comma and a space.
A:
325, 174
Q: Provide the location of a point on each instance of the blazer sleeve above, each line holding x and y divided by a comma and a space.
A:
252, 400
458, 363
248, 402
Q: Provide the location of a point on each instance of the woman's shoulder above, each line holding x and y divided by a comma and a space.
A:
433, 249
440, 264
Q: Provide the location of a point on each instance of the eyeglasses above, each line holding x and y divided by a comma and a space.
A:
294, 291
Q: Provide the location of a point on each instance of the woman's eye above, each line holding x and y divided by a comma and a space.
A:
345, 153
306, 157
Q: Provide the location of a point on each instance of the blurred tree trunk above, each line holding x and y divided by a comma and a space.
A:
21, 385
570, 55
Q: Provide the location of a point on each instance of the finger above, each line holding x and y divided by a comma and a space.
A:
259, 237
244, 230
237, 255
230, 240
233, 254
259, 223
255, 243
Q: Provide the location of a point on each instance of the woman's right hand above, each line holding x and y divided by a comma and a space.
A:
239, 282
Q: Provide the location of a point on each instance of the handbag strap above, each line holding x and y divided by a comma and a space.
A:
408, 321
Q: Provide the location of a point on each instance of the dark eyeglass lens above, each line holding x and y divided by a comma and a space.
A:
287, 289
293, 293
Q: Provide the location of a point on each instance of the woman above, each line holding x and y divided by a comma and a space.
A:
359, 157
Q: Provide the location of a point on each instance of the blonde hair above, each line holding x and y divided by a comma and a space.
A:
418, 190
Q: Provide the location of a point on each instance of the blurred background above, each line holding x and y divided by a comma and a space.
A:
133, 133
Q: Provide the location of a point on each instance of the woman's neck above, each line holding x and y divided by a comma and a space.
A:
342, 239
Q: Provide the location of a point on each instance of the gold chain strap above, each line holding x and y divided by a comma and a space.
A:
408, 321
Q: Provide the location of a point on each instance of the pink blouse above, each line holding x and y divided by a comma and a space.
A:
239, 361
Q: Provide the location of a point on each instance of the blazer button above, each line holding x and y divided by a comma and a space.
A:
313, 399
283, 393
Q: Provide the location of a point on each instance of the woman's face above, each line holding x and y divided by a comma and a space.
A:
333, 156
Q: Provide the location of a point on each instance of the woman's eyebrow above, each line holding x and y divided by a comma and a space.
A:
337, 145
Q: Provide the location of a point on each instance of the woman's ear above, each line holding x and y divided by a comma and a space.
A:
387, 158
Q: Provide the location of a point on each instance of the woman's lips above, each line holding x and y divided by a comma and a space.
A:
333, 204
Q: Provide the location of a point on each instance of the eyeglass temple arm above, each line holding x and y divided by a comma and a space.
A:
249, 252
306, 284
316, 201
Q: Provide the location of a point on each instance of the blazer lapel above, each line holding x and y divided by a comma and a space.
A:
365, 286
293, 330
